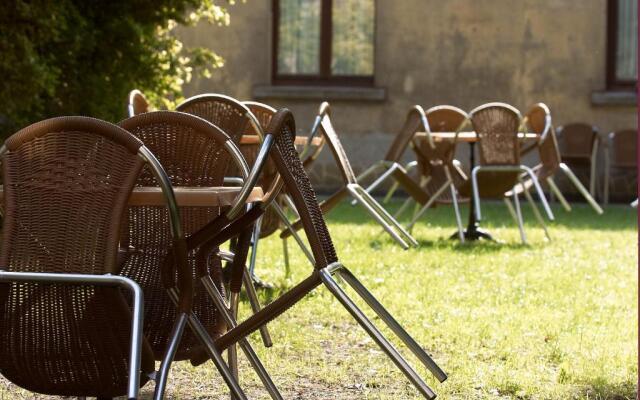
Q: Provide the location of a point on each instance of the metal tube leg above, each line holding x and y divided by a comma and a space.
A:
378, 218
255, 238
294, 233
519, 217
390, 193
456, 210
476, 192
255, 307
176, 336
385, 214
232, 352
543, 198
391, 322
244, 343
507, 202
379, 180
580, 188
403, 207
536, 212
375, 334
558, 193
427, 205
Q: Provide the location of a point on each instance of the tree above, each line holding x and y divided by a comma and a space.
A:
82, 57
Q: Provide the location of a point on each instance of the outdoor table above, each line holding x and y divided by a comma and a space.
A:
473, 231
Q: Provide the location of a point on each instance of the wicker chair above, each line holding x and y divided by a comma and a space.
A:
539, 121
497, 126
351, 186
621, 154
281, 130
193, 152
67, 182
439, 171
137, 103
578, 143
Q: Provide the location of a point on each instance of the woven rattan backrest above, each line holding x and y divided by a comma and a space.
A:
539, 122
225, 112
624, 144
297, 184
137, 104
331, 137
446, 118
66, 184
577, 139
191, 151
496, 125
412, 124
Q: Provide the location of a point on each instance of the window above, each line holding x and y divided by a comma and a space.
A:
323, 42
622, 46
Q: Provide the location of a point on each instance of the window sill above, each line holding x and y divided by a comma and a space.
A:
374, 94
614, 98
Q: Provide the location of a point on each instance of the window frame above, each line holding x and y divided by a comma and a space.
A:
613, 83
324, 76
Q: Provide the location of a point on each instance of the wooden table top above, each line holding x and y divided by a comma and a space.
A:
300, 140
217, 196
468, 137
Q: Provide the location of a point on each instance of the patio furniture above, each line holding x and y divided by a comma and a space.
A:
578, 143
326, 264
390, 164
538, 120
66, 327
137, 103
620, 155
351, 186
497, 127
439, 171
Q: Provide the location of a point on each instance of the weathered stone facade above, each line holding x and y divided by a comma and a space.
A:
430, 52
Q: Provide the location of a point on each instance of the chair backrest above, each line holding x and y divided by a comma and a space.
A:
497, 125
446, 118
539, 121
577, 139
331, 137
297, 184
412, 124
137, 103
225, 112
194, 154
623, 148
66, 185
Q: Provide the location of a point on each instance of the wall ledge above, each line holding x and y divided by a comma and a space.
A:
614, 98
373, 94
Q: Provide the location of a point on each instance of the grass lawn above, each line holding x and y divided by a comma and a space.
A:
552, 320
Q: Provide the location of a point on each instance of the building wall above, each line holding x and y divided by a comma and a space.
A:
430, 52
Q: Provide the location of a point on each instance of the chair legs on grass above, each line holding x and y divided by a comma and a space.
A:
554, 190
536, 212
583, 191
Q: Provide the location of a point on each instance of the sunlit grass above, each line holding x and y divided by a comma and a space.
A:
552, 320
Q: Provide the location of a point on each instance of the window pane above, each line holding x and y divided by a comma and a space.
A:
626, 53
299, 37
352, 48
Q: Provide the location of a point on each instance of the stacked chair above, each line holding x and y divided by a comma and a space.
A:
351, 186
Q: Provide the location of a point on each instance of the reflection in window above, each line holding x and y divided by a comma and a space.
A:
627, 41
352, 47
299, 37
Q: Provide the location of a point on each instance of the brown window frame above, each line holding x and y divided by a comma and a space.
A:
613, 83
324, 77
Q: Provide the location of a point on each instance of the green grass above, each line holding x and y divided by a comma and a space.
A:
551, 320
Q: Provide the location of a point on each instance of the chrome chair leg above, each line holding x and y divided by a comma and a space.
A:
424, 208
375, 334
576, 182
255, 306
519, 217
558, 194
165, 365
285, 253
512, 212
391, 322
390, 192
476, 192
244, 343
536, 184
255, 238
536, 212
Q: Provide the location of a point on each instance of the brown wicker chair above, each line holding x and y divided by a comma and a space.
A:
578, 143
67, 182
193, 152
539, 121
497, 126
438, 168
620, 155
326, 264
137, 103
352, 187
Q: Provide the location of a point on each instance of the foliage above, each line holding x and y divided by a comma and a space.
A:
82, 57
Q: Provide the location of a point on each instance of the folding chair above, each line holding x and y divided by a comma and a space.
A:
137, 103
66, 327
281, 133
195, 154
497, 126
351, 186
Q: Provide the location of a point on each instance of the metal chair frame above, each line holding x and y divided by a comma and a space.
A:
592, 163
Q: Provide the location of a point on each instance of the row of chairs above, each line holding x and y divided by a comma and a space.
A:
112, 249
